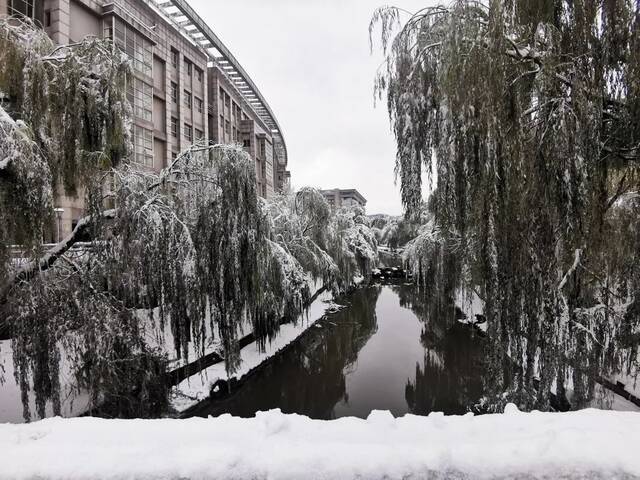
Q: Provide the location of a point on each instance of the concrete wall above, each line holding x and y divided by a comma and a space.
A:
84, 22
60, 13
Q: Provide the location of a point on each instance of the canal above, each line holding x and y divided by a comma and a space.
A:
382, 351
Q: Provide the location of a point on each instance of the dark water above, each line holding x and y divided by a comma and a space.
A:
381, 352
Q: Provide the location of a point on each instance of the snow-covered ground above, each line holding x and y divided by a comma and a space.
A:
584, 444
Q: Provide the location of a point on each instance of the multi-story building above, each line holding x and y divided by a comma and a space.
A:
185, 85
232, 120
344, 198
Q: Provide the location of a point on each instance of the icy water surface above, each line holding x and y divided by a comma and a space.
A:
382, 351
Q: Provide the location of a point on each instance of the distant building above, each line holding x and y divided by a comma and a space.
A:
185, 86
344, 198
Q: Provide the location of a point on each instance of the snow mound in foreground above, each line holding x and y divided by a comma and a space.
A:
585, 444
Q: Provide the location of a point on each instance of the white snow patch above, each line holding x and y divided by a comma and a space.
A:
333, 307
585, 444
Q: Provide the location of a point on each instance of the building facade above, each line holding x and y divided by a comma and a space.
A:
344, 198
232, 120
184, 86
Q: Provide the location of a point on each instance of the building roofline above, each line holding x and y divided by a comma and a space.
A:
185, 19
341, 191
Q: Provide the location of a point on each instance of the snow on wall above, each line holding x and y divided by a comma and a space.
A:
584, 444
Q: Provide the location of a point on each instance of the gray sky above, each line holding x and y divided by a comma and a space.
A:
311, 60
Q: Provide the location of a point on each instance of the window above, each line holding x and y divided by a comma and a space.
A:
188, 132
143, 146
22, 8
140, 95
199, 135
174, 92
199, 75
246, 143
227, 100
174, 127
227, 127
187, 99
263, 149
174, 155
235, 134
238, 113
137, 47
188, 67
199, 104
174, 58
47, 18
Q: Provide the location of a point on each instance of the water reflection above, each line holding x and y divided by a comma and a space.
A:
309, 378
383, 351
450, 378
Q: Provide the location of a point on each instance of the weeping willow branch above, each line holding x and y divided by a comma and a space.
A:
526, 113
27, 272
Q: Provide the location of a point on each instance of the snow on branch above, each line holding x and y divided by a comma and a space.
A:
572, 269
34, 267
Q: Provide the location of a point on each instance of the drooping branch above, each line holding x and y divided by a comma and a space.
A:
527, 119
27, 272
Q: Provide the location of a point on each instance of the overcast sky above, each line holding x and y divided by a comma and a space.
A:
311, 60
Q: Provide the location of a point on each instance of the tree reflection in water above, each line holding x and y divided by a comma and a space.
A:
309, 377
450, 377
387, 350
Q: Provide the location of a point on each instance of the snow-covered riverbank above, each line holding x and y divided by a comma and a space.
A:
189, 392
198, 387
584, 444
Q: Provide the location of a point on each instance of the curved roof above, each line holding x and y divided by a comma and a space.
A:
180, 14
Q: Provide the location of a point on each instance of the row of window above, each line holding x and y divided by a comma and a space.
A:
189, 67
234, 109
139, 49
143, 146
189, 100
136, 46
143, 140
229, 127
140, 95
188, 131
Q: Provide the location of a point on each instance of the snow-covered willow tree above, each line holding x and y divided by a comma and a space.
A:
352, 243
187, 249
527, 115
398, 231
333, 247
64, 118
